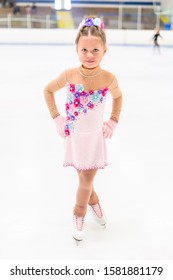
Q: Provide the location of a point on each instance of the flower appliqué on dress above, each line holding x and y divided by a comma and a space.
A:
79, 102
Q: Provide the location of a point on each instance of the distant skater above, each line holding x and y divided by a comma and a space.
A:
155, 39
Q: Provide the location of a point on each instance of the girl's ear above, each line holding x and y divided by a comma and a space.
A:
105, 50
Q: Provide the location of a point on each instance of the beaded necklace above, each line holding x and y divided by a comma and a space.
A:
89, 79
90, 76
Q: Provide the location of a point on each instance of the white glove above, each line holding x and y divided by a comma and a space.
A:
108, 128
60, 125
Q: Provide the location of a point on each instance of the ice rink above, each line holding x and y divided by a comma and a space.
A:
37, 194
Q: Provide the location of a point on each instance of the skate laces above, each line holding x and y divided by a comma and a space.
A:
97, 210
79, 222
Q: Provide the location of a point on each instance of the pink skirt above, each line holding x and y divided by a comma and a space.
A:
86, 150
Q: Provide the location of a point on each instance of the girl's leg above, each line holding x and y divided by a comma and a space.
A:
93, 197
85, 191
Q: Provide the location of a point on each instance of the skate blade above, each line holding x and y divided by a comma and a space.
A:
77, 241
103, 226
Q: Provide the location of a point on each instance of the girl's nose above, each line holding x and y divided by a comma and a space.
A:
89, 54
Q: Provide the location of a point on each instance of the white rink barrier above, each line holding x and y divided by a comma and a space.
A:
67, 36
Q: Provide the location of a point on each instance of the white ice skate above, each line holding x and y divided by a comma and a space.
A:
78, 232
98, 214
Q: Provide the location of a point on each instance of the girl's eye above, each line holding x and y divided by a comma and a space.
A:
96, 50
84, 50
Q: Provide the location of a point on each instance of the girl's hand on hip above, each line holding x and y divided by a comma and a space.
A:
60, 125
108, 128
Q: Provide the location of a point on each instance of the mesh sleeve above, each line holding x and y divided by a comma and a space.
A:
49, 91
116, 100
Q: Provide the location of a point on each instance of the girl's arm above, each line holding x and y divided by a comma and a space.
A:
49, 91
110, 125
116, 108
116, 100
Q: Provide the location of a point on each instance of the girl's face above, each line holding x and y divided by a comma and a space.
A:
90, 50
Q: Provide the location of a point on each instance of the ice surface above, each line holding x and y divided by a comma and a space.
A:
37, 194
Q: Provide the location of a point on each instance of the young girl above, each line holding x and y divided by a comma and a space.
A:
83, 127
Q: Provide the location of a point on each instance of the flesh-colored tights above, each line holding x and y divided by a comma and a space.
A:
85, 193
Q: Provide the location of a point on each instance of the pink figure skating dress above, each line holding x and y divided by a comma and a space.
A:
85, 146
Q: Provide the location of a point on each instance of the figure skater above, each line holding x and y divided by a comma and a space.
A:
83, 129
155, 39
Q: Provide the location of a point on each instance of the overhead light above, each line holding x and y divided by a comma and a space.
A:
62, 4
